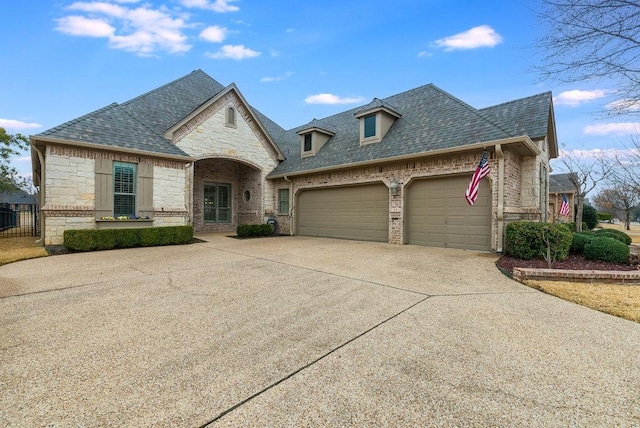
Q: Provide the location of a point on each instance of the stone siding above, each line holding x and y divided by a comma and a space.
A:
69, 191
239, 155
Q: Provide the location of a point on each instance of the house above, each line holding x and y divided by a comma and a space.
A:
17, 200
561, 184
394, 170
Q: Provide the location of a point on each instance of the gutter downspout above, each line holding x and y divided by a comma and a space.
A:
500, 197
291, 206
41, 193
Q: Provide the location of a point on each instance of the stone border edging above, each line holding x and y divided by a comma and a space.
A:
613, 276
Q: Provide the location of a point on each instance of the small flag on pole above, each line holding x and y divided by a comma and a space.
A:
564, 207
481, 171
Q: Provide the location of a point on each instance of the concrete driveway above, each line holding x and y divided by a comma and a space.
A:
297, 331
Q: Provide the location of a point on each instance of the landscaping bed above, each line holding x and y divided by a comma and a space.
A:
572, 262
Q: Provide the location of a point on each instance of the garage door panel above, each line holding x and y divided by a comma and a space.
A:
357, 212
438, 214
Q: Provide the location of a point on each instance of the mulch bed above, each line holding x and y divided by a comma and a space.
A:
573, 262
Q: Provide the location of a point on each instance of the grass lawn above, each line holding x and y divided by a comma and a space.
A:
619, 300
15, 249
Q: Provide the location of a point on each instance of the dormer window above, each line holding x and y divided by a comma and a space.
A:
375, 119
313, 136
307, 142
370, 126
230, 117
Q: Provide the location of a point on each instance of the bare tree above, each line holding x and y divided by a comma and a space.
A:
626, 165
593, 39
585, 174
622, 199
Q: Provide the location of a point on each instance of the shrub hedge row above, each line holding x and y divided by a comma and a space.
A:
250, 230
526, 240
107, 239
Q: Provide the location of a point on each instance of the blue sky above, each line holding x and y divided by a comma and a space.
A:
293, 60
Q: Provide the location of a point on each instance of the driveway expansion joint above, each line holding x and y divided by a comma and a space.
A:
306, 366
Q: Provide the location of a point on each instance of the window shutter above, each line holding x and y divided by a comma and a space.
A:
104, 187
144, 191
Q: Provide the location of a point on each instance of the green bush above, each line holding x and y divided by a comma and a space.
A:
605, 216
525, 240
579, 240
107, 239
251, 230
615, 234
589, 216
606, 249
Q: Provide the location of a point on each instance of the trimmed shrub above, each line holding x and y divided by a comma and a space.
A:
589, 216
606, 249
615, 234
107, 239
579, 240
526, 240
252, 230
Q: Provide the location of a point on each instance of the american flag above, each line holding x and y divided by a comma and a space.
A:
564, 207
481, 171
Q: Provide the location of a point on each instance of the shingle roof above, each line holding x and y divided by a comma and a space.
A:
318, 124
431, 120
140, 122
561, 183
17, 196
525, 116
377, 103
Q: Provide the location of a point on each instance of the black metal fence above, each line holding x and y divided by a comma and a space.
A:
19, 220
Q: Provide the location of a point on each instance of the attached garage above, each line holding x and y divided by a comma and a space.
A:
355, 212
438, 215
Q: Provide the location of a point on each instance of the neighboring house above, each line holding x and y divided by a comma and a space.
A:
395, 170
18, 200
560, 184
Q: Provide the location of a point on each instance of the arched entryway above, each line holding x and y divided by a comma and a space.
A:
226, 193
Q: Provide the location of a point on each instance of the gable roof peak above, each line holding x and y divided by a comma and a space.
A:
318, 125
375, 105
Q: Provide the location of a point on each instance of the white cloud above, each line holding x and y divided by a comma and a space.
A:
215, 34
624, 105
332, 99
220, 6
593, 154
482, 36
17, 124
23, 159
141, 30
277, 78
233, 52
576, 97
289, 30
624, 128
80, 26
424, 54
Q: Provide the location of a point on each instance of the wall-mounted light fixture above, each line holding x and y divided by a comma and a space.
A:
394, 186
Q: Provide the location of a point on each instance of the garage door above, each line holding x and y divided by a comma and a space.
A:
437, 214
357, 212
